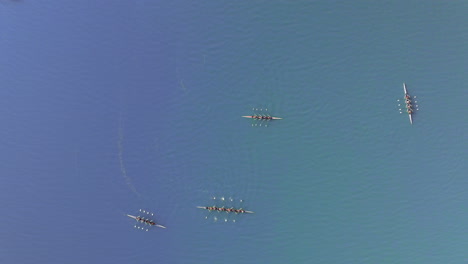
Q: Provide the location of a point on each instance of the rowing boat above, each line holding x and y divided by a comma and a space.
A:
145, 221
406, 94
227, 210
263, 117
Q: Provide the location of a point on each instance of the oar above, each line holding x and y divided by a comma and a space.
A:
259, 115
262, 115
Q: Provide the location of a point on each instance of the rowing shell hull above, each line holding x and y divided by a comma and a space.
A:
273, 118
134, 217
202, 207
406, 92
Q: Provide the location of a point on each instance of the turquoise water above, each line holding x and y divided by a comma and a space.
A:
113, 108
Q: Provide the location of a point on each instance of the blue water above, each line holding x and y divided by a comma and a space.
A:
108, 108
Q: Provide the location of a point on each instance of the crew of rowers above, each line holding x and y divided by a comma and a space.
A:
146, 221
222, 209
262, 117
408, 104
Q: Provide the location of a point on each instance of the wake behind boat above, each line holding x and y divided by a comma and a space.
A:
227, 210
